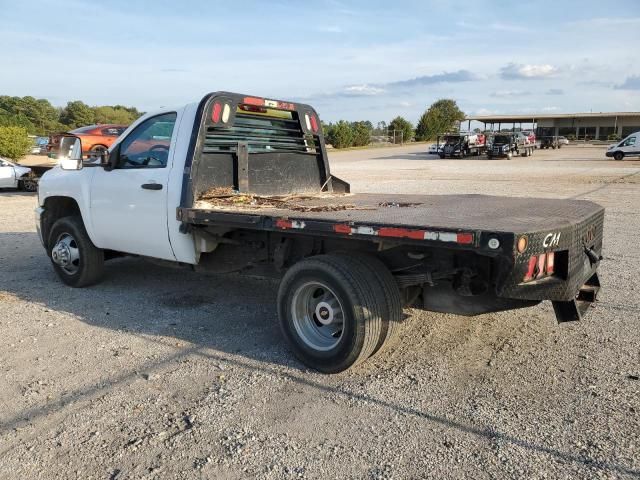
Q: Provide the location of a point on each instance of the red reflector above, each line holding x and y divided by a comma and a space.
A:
314, 124
400, 232
215, 114
254, 101
464, 238
531, 269
550, 263
342, 228
542, 262
284, 224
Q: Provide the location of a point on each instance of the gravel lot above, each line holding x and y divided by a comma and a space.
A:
164, 373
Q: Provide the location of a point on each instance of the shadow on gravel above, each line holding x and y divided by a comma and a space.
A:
231, 314
12, 192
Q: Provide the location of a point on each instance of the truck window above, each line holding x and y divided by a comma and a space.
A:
629, 141
147, 146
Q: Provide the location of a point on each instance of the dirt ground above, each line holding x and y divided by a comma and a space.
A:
160, 372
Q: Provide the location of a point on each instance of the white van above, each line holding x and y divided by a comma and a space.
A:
628, 147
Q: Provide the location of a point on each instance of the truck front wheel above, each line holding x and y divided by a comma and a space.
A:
76, 260
329, 312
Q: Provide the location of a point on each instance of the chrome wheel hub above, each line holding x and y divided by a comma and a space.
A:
317, 316
66, 253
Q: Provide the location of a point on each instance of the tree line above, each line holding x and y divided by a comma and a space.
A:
442, 116
20, 116
38, 117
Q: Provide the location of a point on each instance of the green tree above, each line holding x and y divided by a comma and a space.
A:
38, 116
77, 114
117, 114
341, 135
361, 133
14, 142
441, 117
400, 130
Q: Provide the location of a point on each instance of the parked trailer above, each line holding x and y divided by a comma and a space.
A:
243, 183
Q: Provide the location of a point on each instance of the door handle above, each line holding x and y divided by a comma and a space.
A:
151, 186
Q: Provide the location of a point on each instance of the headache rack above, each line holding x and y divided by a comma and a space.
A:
262, 133
256, 145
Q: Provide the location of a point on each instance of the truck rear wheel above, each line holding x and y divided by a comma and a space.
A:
329, 312
76, 260
387, 292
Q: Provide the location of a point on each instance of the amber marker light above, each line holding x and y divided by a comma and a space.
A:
522, 244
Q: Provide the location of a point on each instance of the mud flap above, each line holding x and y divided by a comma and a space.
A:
575, 309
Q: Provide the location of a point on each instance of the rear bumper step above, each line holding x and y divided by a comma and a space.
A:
575, 309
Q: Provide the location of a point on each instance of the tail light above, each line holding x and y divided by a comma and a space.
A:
215, 113
531, 270
314, 124
540, 266
550, 263
542, 262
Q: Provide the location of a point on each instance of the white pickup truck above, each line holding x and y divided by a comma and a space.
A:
242, 183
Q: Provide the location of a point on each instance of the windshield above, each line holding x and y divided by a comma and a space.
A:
501, 139
452, 139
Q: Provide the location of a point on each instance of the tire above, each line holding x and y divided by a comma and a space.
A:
387, 292
76, 260
28, 185
96, 150
339, 287
490, 157
441, 156
618, 155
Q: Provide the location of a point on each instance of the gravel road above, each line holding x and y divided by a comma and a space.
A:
160, 372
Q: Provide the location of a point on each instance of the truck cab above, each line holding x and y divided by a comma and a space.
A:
629, 147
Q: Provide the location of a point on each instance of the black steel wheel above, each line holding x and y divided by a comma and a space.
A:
329, 312
76, 260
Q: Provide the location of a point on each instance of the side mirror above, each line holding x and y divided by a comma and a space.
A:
70, 153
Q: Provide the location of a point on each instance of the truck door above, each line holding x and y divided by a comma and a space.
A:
7, 175
629, 146
129, 203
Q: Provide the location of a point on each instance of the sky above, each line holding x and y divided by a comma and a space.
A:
353, 60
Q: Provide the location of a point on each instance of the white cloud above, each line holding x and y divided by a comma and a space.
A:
362, 90
528, 71
508, 93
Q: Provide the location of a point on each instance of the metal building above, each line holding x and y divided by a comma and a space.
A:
581, 126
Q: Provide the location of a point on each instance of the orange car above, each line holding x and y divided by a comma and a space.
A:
95, 138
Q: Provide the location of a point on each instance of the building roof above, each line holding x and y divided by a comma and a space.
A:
547, 116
